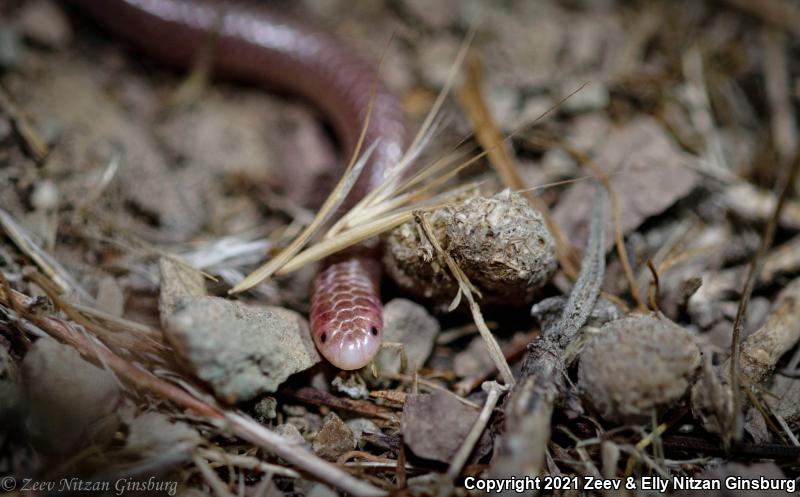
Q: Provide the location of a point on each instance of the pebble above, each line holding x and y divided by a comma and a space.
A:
177, 281
637, 364
70, 400
239, 350
435, 425
334, 439
410, 324
154, 435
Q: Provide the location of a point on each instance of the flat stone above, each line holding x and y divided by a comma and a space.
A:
239, 350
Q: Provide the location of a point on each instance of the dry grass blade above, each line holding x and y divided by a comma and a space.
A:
326, 211
391, 186
467, 289
48, 265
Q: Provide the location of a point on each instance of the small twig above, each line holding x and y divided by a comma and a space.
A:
215, 482
522, 450
247, 462
587, 287
363, 408
49, 266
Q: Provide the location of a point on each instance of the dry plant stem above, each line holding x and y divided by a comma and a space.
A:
39, 256
247, 462
587, 287
752, 274
466, 289
94, 353
585, 160
210, 476
239, 425
316, 397
34, 144
491, 139
522, 449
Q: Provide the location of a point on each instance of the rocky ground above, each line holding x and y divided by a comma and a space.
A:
654, 232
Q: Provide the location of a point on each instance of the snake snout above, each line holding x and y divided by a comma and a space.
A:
352, 348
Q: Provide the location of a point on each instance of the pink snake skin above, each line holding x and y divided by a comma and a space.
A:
255, 43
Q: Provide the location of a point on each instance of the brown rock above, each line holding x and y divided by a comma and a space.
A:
334, 439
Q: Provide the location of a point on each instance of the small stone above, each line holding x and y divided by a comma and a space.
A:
45, 195
153, 435
43, 22
70, 399
239, 350
334, 439
435, 425
410, 324
352, 385
501, 243
359, 426
291, 433
266, 409
178, 280
637, 364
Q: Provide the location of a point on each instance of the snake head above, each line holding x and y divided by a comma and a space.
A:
350, 343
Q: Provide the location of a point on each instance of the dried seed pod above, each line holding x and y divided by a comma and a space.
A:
637, 364
501, 243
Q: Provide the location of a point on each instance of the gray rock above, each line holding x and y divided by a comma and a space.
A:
70, 400
176, 282
241, 351
412, 325
153, 435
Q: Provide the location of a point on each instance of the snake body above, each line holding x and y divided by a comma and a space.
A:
257, 43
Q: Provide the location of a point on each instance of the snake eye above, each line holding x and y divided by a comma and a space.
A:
323, 337
374, 331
